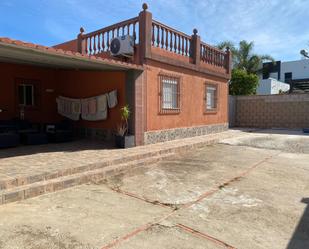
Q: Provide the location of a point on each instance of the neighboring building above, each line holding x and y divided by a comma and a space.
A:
272, 86
175, 85
294, 73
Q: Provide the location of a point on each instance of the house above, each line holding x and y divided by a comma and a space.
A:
175, 84
271, 86
293, 73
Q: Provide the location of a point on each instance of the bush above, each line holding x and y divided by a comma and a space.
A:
243, 83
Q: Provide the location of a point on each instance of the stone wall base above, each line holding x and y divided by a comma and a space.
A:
95, 134
151, 137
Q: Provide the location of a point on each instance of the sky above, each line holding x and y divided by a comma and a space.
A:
279, 28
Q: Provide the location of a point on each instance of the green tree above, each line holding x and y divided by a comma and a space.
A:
243, 56
243, 83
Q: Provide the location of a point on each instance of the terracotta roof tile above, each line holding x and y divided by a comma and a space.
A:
65, 52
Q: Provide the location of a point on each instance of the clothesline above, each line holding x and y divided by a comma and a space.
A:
92, 109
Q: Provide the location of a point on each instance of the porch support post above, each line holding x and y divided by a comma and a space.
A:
81, 44
145, 26
195, 48
135, 98
140, 108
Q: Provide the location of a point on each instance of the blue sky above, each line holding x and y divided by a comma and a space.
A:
278, 27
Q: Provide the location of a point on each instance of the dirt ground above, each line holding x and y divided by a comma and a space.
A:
246, 192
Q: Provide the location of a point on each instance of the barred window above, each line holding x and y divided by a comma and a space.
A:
169, 94
211, 98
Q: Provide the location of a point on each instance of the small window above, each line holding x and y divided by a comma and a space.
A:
169, 94
211, 98
26, 94
287, 77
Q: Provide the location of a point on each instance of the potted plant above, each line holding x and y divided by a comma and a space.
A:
122, 137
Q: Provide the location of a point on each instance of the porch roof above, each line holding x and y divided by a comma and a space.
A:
14, 51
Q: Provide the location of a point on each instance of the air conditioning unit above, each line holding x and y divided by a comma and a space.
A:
122, 46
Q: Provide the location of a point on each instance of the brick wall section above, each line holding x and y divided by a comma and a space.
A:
273, 111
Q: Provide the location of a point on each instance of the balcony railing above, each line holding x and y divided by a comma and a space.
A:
99, 41
167, 38
212, 55
149, 35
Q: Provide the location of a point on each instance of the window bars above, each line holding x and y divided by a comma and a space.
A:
169, 94
211, 98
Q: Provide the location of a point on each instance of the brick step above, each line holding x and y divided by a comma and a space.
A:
25, 180
47, 186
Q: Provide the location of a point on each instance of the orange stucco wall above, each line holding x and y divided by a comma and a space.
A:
192, 91
76, 84
79, 84
46, 111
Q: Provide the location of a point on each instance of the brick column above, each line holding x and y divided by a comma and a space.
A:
228, 61
139, 107
145, 26
195, 50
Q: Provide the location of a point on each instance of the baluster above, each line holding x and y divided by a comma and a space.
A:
99, 43
162, 37
217, 54
158, 35
182, 45
171, 41
215, 58
186, 48
128, 28
95, 44
153, 35
122, 30
113, 35
134, 34
118, 31
179, 47
166, 39
103, 42
107, 41
175, 42
90, 45
86, 45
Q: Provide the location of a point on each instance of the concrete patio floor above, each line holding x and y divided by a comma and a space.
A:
249, 191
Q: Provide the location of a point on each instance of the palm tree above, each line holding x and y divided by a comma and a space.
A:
243, 56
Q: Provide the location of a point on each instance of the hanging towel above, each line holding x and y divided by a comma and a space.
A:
95, 109
112, 99
85, 107
92, 103
69, 107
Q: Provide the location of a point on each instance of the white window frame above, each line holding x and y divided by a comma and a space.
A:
169, 94
211, 101
25, 95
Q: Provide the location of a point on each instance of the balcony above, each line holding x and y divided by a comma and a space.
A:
159, 42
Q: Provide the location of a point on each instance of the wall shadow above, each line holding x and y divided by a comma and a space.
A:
77, 145
300, 238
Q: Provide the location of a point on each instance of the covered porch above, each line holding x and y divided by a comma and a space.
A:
33, 77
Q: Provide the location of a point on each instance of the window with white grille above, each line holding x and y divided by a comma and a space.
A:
211, 97
169, 94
